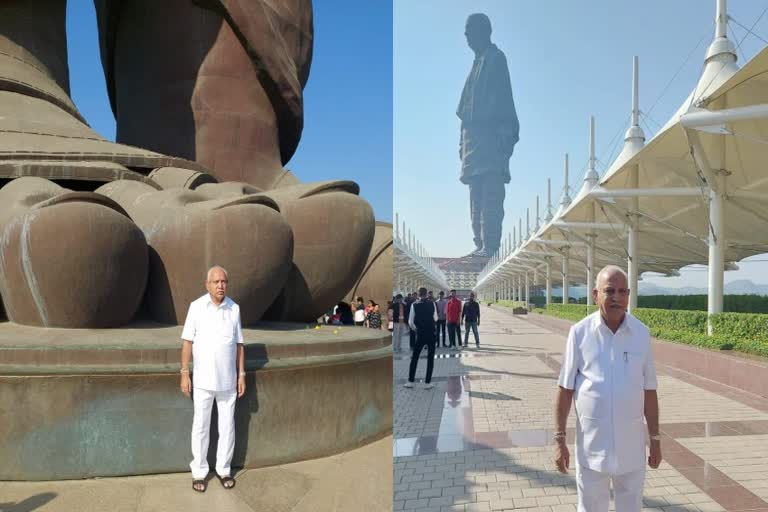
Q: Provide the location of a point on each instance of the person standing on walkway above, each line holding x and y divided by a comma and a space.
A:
440, 304
400, 323
422, 321
409, 301
608, 371
453, 319
470, 314
213, 338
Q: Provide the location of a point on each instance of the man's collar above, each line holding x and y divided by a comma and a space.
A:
224, 303
623, 326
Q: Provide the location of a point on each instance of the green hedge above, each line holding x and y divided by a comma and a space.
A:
573, 312
743, 332
511, 303
673, 320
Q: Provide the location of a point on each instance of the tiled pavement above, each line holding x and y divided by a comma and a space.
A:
480, 440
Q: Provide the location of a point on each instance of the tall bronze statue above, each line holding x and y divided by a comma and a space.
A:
489, 132
208, 99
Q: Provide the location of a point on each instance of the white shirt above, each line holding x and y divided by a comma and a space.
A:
609, 373
412, 314
214, 332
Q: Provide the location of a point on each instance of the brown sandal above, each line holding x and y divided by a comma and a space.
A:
199, 482
225, 480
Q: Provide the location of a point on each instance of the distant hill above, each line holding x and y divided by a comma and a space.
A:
738, 287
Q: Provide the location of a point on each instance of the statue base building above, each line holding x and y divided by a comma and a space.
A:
461, 273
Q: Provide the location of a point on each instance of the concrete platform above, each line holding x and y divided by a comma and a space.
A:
87, 403
348, 482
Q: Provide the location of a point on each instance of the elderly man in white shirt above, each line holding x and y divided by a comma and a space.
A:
213, 338
608, 371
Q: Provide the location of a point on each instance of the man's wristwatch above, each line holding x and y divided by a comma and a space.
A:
655, 438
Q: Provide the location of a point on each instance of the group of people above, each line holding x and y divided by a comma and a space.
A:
426, 320
451, 314
357, 313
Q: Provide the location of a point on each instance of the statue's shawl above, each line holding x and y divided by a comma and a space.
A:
277, 34
487, 96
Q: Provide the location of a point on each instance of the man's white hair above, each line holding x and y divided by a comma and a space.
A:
610, 269
216, 267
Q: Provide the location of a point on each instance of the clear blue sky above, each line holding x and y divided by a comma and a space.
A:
567, 60
348, 100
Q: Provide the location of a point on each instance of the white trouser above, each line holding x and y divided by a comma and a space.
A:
594, 490
201, 428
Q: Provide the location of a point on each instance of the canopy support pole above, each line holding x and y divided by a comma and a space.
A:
549, 280
590, 270
632, 261
527, 289
716, 266
565, 276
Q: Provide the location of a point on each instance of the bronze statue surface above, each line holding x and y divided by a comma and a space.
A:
209, 108
489, 132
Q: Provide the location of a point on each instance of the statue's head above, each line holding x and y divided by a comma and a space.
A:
478, 31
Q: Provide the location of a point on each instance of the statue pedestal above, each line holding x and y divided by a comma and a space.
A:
81, 403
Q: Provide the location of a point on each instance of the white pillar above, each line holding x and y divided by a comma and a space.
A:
549, 281
519, 288
632, 263
527, 289
565, 276
716, 266
590, 270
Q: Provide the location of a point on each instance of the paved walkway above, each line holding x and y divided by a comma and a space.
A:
339, 483
481, 439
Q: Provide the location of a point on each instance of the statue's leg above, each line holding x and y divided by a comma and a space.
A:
475, 211
183, 85
492, 212
33, 48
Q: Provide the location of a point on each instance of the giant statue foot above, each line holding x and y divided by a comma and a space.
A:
68, 259
187, 233
333, 231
